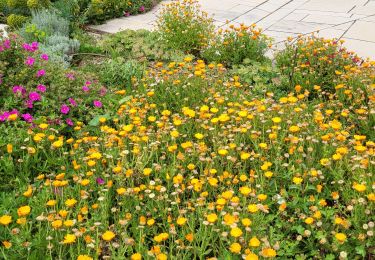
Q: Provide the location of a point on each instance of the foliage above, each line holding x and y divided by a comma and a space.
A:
118, 71
33, 86
235, 44
183, 26
140, 45
313, 61
100, 10
16, 21
260, 77
60, 48
193, 155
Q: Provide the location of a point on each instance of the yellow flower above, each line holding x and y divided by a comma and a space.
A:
84, 257
9, 148
212, 218
223, 152
236, 232
245, 156
252, 208
251, 256
57, 144
294, 129
254, 242
136, 256
29, 192
51, 203
23, 211
181, 221
5, 220
341, 237
297, 180
108, 235
121, 191
147, 171
199, 136
359, 187
7, 244
309, 221
70, 202
246, 222
57, 224
69, 239
268, 252
235, 248
161, 257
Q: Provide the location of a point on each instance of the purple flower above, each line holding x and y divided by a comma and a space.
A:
88, 83
85, 88
69, 122
27, 117
44, 56
30, 61
19, 89
6, 44
142, 9
64, 109
126, 14
99, 180
103, 91
72, 102
29, 103
34, 96
41, 88
97, 103
40, 73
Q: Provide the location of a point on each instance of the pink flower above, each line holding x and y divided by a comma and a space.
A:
64, 109
72, 102
85, 88
41, 88
29, 103
19, 89
30, 61
6, 44
142, 9
126, 14
69, 122
27, 117
40, 73
44, 56
34, 96
97, 103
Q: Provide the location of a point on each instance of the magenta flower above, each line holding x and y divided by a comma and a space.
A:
126, 14
27, 117
72, 102
19, 89
30, 61
64, 109
85, 88
41, 88
69, 122
40, 73
34, 96
103, 91
44, 56
29, 103
100, 181
97, 103
6, 44
142, 9
70, 76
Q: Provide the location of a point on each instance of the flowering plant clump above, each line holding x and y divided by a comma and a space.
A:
184, 26
315, 62
32, 86
193, 165
236, 44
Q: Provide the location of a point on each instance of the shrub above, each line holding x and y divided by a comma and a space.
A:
16, 21
234, 45
139, 45
183, 26
33, 86
60, 48
314, 63
118, 72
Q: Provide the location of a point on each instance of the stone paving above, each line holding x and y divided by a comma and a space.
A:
350, 20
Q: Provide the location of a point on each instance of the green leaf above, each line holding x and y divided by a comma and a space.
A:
125, 99
95, 120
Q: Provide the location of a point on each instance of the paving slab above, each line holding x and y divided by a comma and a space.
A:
353, 20
361, 30
362, 48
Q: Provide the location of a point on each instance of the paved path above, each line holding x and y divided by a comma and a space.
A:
351, 20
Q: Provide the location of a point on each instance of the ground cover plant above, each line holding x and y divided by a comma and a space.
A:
188, 157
